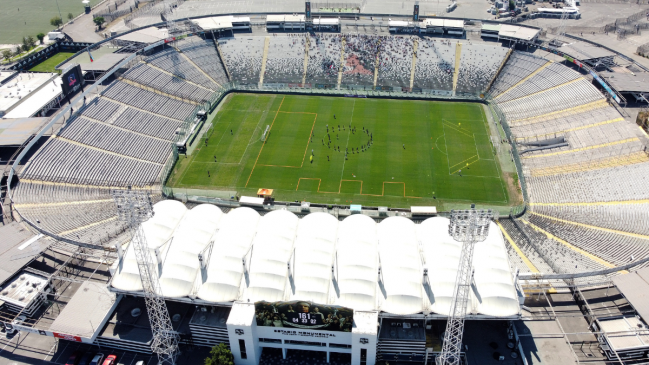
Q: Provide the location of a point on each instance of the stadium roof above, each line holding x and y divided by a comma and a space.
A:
287, 258
585, 51
518, 32
635, 288
104, 62
36, 101
92, 302
146, 35
486, 26
16, 90
215, 22
15, 132
285, 18
627, 82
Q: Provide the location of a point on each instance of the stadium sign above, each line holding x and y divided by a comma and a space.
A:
72, 80
304, 315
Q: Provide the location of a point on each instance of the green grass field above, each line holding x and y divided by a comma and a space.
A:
416, 152
19, 18
49, 64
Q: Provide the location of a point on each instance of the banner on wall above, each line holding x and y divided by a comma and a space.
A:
605, 86
305, 315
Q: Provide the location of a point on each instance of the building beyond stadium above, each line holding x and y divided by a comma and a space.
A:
295, 283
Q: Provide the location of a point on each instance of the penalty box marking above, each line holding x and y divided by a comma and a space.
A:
361, 191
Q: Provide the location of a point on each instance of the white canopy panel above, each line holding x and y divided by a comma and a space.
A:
314, 253
495, 293
357, 262
442, 255
400, 266
158, 232
233, 240
192, 236
272, 249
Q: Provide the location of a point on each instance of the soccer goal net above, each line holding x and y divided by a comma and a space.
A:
265, 134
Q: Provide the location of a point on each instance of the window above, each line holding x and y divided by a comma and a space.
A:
270, 340
340, 346
242, 348
305, 343
363, 356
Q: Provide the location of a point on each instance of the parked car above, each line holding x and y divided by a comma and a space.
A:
140, 363
97, 359
110, 360
74, 358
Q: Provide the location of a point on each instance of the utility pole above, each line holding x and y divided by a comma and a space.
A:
134, 207
469, 227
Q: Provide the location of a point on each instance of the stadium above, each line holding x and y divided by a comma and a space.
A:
299, 190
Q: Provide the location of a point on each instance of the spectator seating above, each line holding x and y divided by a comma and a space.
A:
285, 61
203, 53
148, 76
324, 58
395, 61
243, 56
149, 101
478, 66
435, 64
173, 62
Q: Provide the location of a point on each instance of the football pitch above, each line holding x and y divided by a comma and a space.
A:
334, 150
19, 18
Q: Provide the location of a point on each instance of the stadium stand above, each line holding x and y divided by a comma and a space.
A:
520, 66
243, 57
62, 161
147, 124
285, 60
361, 52
478, 66
395, 62
435, 64
203, 54
166, 83
632, 218
172, 61
324, 59
148, 101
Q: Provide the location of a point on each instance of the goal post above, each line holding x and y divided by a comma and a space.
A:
265, 134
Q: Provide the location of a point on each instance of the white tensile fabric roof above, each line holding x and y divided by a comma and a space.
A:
355, 262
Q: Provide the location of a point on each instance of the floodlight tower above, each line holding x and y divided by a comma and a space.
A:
134, 207
469, 227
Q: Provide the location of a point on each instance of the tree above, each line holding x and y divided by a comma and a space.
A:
56, 21
31, 42
512, 5
40, 37
25, 46
220, 355
18, 51
6, 54
70, 16
99, 21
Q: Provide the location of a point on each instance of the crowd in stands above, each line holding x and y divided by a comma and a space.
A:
285, 62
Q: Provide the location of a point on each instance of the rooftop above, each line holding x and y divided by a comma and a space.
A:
585, 51
310, 247
14, 91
